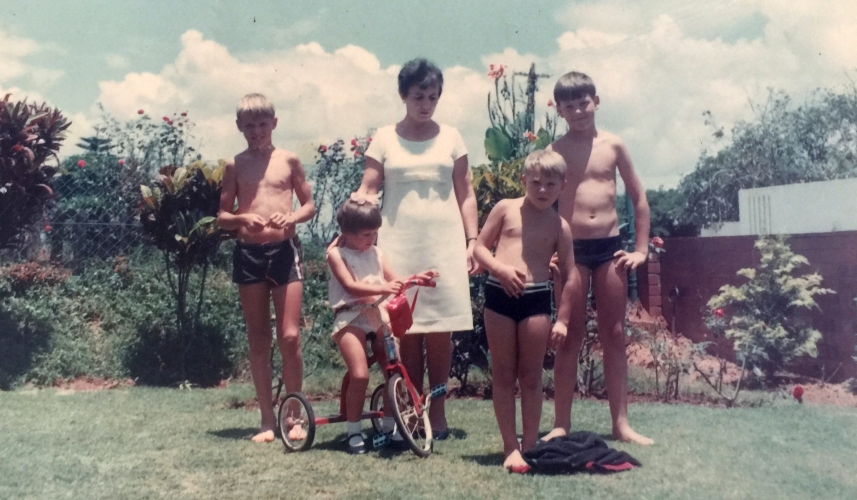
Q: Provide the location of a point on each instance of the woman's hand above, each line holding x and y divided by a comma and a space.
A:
473, 266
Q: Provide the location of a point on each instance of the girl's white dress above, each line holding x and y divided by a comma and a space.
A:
366, 268
422, 227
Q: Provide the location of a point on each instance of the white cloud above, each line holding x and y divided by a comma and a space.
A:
320, 96
658, 67
14, 50
660, 64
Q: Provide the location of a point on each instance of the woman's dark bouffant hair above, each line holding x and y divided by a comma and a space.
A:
422, 73
354, 217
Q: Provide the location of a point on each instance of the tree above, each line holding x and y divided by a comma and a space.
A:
785, 144
760, 316
30, 134
666, 207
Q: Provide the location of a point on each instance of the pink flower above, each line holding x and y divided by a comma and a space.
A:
184, 113
496, 71
657, 242
368, 139
169, 122
81, 163
122, 161
798, 393
322, 149
140, 111
48, 228
354, 142
550, 103
530, 136
166, 118
719, 313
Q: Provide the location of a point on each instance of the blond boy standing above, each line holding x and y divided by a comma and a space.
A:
589, 205
267, 260
524, 233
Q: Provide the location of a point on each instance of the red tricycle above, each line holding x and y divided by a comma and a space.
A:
410, 409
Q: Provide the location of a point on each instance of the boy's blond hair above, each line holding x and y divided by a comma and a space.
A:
255, 104
546, 162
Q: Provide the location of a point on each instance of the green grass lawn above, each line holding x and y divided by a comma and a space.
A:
168, 443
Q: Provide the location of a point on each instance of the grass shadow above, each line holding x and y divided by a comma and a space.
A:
487, 460
236, 433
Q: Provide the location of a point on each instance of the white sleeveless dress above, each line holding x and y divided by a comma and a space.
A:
422, 227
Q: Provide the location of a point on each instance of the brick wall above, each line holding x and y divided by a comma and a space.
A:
680, 281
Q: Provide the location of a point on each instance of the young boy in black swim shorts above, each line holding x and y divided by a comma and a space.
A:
267, 258
589, 205
524, 233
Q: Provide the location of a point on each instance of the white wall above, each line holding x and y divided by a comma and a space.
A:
812, 207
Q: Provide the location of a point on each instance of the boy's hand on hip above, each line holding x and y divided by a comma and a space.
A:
512, 280
253, 222
629, 260
558, 335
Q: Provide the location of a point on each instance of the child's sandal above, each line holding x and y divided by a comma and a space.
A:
356, 444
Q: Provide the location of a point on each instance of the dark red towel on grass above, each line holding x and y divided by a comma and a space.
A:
576, 452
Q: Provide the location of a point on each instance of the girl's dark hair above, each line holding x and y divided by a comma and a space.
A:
422, 73
354, 217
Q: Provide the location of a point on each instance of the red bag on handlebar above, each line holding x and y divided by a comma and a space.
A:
401, 313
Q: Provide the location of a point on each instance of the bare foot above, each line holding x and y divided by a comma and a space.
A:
629, 435
515, 463
297, 433
557, 432
263, 437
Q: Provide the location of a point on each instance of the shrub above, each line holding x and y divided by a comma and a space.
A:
29, 135
761, 316
179, 216
111, 321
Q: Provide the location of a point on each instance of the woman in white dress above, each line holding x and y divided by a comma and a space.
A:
429, 222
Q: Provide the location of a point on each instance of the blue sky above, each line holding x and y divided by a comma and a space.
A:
330, 65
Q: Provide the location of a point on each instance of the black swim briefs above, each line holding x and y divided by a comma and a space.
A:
276, 263
592, 253
535, 301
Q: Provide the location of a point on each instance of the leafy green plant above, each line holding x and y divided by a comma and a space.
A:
30, 134
761, 317
336, 175
179, 216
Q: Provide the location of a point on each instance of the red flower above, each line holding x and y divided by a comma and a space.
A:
354, 142
719, 313
657, 242
322, 149
17, 148
81, 163
140, 111
798, 393
48, 228
496, 71
122, 161
184, 113
530, 136
550, 103
166, 118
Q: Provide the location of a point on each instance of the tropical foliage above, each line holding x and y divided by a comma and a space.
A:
30, 134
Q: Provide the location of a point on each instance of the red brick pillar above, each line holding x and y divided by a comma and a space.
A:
653, 270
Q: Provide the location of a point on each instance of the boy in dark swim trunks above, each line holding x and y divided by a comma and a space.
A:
589, 205
267, 258
526, 233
